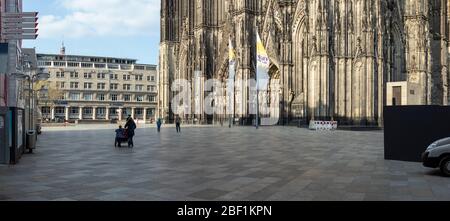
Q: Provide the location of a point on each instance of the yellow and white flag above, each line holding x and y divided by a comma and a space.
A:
231, 78
263, 64
232, 59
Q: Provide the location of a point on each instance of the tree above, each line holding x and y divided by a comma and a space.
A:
48, 93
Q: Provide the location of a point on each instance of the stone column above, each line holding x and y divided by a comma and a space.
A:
107, 113
52, 112
67, 112
132, 112
94, 109
80, 113
120, 114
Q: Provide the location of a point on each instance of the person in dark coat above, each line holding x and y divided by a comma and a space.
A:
159, 124
178, 124
131, 127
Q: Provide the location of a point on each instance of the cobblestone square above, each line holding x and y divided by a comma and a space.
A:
217, 163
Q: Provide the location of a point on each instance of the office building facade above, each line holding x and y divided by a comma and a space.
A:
88, 88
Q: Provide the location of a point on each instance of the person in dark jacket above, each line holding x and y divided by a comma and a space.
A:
159, 124
131, 127
178, 124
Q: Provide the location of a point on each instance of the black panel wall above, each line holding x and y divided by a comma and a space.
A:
409, 130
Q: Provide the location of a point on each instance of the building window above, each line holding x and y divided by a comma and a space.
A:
101, 86
87, 111
59, 64
151, 88
73, 64
45, 63
87, 85
87, 75
114, 76
101, 97
139, 77
114, 86
100, 65
139, 111
86, 65
126, 77
139, 87
101, 76
88, 97
127, 97
114, 97
60, 74
101, 111
74, 110
73, 74
139, 67
139, 98
127, 87
60, 110
151, 98
151, 78
60, 84
45, 110
74, 85
74, 96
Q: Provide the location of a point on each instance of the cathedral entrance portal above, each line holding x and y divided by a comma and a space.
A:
272, 101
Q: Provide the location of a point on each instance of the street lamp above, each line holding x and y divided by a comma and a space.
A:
41, 75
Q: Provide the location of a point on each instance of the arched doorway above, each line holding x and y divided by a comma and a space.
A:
271, 107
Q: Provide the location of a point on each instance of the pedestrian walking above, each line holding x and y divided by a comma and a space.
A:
159, 124
178, 124
131, 127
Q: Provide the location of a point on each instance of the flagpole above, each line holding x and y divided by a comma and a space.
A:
256, 75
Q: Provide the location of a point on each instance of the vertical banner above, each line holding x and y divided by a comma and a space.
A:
198, 110
262, 79
231, 79
264, 97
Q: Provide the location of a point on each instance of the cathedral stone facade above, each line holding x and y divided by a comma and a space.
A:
338, 60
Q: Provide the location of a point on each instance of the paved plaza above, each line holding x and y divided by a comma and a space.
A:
214, 163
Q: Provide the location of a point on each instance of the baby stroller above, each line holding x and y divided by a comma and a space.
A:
121, 139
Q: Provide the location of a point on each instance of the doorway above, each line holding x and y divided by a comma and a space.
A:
397, 96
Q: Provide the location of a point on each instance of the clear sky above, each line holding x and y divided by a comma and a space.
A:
114, 28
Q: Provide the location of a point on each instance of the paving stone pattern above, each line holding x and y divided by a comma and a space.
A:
201, 163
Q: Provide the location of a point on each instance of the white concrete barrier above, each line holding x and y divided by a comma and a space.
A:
323, 125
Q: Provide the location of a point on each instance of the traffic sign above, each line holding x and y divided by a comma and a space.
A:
18, 26
20, 37
20, 20
20, 15
19, 31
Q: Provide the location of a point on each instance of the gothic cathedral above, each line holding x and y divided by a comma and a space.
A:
340, 60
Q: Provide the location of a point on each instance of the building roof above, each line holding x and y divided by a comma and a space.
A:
84, 58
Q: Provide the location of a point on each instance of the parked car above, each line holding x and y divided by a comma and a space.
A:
437, 155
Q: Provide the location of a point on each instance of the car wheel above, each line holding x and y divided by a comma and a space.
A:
445, 166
